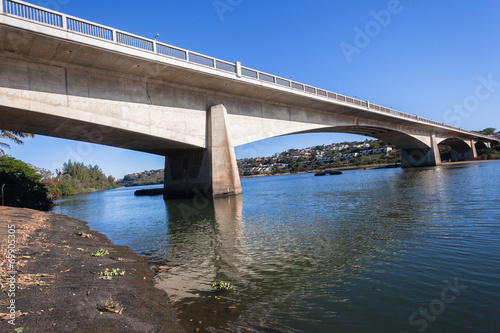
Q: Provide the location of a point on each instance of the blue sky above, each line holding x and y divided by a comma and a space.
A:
436, 59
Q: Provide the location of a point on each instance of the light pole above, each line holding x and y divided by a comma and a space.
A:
2, 195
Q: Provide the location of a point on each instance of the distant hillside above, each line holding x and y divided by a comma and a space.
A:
152, 177
318, 158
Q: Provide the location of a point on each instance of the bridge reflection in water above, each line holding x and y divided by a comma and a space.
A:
204, 241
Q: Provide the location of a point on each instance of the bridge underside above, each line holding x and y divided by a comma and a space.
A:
72, 129
67, 89
213, 171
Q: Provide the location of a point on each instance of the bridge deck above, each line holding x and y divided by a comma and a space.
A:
37, 32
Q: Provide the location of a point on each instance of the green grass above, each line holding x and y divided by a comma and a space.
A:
100, 253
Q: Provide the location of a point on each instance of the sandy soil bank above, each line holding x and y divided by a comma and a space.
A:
57, 283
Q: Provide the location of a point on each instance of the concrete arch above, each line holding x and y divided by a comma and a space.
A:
481, 145
397, 138
461, 150
394, 137
417, 150
457, 144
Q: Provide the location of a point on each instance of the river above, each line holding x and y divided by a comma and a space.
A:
388, 250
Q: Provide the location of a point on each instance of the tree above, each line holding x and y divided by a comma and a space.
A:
77, 178
12, 135
374, 145
487, 131
23, 187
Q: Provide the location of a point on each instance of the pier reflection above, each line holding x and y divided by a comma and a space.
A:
203, 244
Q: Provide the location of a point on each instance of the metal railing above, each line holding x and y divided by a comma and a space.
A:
89, 29
68, 23
134, 41
33, 13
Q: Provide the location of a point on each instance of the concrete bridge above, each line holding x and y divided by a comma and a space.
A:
65, 77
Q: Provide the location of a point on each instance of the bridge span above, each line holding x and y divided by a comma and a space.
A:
66, 77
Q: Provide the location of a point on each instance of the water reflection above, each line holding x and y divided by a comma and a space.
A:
228, 214
318, 254
297, 257
203, 244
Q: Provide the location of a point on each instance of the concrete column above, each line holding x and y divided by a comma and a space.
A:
473, 148
421, 157
210, 172
225, 176
435, 150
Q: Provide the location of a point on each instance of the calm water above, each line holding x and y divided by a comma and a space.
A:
367, 251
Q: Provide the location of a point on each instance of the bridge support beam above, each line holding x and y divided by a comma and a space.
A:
421, 157
210, 172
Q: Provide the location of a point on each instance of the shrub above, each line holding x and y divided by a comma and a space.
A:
23, 187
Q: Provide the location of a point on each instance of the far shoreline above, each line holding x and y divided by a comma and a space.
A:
344, 168
366, 167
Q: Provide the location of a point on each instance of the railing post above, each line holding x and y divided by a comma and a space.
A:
1, 6
115, 39
238, 69
64, 21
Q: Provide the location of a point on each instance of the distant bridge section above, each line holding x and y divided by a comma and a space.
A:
66, 77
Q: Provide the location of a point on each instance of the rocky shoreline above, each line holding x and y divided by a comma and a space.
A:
53, 283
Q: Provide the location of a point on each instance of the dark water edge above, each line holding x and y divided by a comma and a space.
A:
361, 252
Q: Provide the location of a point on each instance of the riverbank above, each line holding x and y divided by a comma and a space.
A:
344, 168
468, 162
57, 283
366, 167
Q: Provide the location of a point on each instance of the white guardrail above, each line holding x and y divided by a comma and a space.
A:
68, 23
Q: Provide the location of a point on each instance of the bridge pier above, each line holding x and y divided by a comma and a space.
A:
421, 157
210, 172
